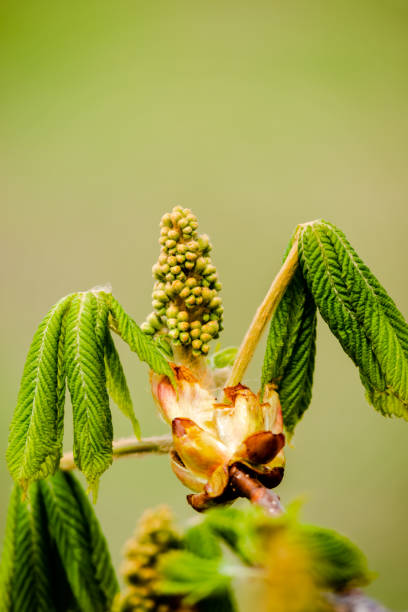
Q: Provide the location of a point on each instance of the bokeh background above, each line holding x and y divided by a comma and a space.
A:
257, 115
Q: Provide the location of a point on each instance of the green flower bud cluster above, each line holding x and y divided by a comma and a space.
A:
187, 307
154, 537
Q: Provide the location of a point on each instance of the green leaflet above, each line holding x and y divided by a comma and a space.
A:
201, 541
116, 383
84, 357
35, 440
290, 350
338, 563
138, 342
360, 314
197, 578
100, 557
25, 575
81, 546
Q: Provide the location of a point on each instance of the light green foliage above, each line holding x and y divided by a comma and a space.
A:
81, 546
290, 350
359, 312
25, 576
202, 541
73, 344
138, 342
116, 383
84, 358
339, 564
329, 560
35, 440
185, 573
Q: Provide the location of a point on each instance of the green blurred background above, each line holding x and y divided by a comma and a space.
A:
257, 115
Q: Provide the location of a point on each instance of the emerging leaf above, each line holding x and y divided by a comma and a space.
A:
144, 346
84, 357
360, 313
290, 351
80, 543
116, 383
25, 575
35, 440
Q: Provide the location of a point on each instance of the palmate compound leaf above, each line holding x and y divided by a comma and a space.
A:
116, 383
290, 350
25, 571
81, 546
35, 440
85, 367
146, 349
359, 312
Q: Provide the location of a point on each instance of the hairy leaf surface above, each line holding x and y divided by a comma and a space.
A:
359, 312
116, 383
35, 440
25, 576
140, 343
290, 350
84, 357
81, 546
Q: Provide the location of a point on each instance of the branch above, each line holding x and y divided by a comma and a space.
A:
263, 315
128, 447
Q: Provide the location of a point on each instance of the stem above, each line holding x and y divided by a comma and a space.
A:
263, 314
253, 490
128, 447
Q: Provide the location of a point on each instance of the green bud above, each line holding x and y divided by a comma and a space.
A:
215, 303
189, 265
177, 286
205, 283
160, 296
147, 329
206, 317
218, 286
195, 333
205, 349
172, 312
162, 258
165, 268
201, 264
187, 231
185, 337
191, 256
192, 246
183, 326
212, 278
185, 293
170, 244
181, 276
164, 231
195, 325
204, 242
166, 220
190, 301
196, 291
154, 320
180, 258
174, 334
181, 248
196, 344
175, 270
183, 222
209, 269
156, 304
207, 294
194, 224
170, 277
162, 240
173, 234
191, 282
171, 260
171, 323
205, 337
183, 315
